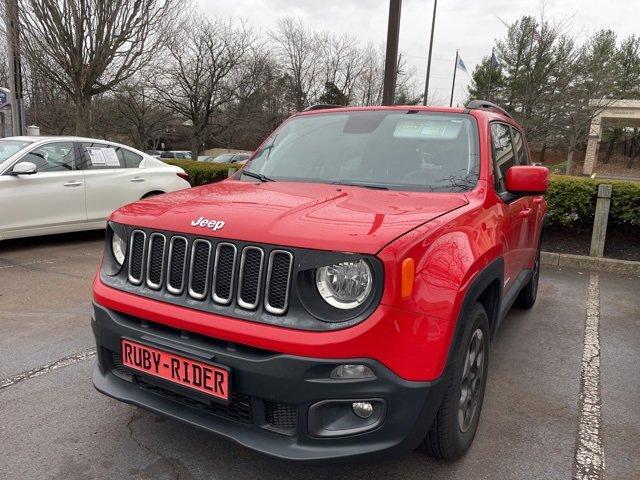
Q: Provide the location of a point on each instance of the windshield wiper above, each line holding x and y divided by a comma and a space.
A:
363, 185
258, 176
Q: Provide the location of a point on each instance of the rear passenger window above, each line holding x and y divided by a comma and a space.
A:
131, 160
101, 156
521, 149
503, 155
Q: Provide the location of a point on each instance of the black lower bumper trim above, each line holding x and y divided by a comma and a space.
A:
271, 393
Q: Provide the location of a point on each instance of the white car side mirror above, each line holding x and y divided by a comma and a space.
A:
24, 168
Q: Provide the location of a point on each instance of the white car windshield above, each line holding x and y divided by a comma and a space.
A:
388, 149
9, 147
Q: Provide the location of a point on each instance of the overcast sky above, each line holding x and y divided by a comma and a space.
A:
468, 25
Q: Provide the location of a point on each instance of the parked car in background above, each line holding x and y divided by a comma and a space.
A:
205, 158
175, 155
240, 158
63, 184
154, 153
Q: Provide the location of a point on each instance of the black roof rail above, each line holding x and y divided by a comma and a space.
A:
486, 105
321, 106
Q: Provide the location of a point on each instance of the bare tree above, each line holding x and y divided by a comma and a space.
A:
142, 117
299, 53
344, 62
370, 82
196, 82
88, 47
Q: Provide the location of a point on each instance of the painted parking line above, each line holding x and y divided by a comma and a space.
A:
49, 367
589, 458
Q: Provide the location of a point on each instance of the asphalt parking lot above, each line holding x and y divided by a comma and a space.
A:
53, 424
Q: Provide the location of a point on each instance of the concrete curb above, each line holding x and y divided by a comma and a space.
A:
626, 267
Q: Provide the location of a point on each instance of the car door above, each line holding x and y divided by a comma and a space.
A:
109, 183
533, 202
49, 201
515, 211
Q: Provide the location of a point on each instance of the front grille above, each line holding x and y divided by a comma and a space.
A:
280, 416
155, 260
250, 275
279, 273
136, 256
200, 262
224, 269
177, 265
207, 270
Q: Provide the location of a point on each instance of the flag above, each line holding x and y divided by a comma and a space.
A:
462, 66
536, 36
495, 61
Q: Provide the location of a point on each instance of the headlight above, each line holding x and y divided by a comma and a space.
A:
118, 248
345, 285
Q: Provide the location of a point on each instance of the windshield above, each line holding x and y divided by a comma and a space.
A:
400, 150
9, 147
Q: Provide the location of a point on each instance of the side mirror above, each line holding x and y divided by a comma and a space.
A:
24, 168
527, 179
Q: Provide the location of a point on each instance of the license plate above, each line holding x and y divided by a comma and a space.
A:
200, 376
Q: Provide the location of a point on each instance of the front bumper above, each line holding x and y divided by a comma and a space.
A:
272, 393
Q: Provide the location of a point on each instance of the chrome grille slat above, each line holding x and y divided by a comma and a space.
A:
177, 264
224, 269
155, 260
137, 246
276, 296
199, 268
249, 285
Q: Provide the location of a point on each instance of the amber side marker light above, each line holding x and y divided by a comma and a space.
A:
408, 275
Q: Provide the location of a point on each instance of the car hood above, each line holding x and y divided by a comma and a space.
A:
306, 215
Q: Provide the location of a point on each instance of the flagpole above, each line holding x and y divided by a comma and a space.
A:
453, 85
433, 26
490, 74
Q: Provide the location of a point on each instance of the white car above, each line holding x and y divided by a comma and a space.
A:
63, 184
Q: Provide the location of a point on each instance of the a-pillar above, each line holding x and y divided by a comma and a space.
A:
591, 156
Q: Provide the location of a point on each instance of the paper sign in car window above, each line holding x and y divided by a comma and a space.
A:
96, 156
110, 157
425, 129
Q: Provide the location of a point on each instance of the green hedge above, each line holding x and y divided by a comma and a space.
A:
572, 201
201, 173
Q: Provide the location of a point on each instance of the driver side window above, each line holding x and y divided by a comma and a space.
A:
52, 157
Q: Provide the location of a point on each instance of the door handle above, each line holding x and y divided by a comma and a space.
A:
137, 179
538, 200
525, 212
73, 184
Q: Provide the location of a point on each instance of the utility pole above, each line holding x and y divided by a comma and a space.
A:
433, 27
12, 24
390, 65
453, 85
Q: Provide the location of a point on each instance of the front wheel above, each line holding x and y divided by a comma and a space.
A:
456, 422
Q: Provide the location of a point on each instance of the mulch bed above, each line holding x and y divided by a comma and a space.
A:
619, 245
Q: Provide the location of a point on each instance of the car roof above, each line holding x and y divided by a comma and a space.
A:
478, 113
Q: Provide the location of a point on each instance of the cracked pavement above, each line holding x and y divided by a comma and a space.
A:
54, 425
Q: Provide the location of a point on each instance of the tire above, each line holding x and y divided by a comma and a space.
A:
454, 427
527, 296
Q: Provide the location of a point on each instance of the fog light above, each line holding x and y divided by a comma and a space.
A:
345, 372
362, 409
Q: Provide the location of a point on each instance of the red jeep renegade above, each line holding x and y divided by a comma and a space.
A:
337, 296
